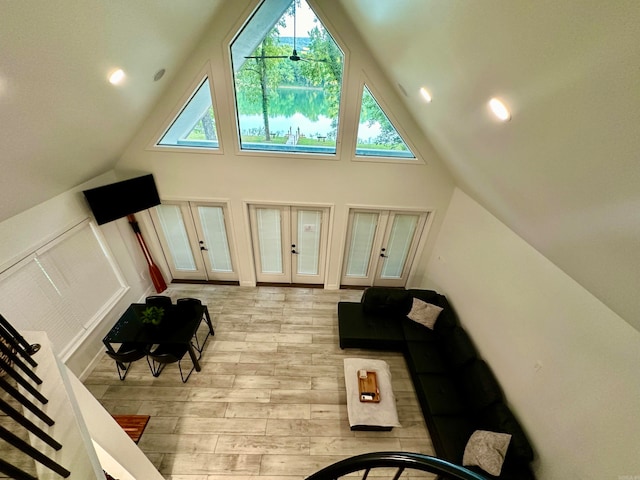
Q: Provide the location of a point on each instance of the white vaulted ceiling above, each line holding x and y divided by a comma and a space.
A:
61, 122
564, 172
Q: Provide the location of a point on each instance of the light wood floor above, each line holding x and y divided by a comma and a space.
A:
269, 403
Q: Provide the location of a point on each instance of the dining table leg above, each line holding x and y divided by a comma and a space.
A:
109, 346
194, 357
208, 320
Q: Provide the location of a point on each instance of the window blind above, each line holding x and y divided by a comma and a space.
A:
64, 288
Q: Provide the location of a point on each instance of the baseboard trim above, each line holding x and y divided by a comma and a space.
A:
289, 285
206, 282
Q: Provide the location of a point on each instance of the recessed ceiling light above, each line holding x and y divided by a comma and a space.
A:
425, 94
499, 109
116, 77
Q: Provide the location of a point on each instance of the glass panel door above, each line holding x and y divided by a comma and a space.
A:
308, 241
398, 248
380, 247
194, 240
177, 239
269, 232
289, 243
210, 222
361, 238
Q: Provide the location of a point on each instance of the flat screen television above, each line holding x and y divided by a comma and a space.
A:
117, 200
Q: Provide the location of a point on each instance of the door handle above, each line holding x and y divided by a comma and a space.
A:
293, 251
293, 248
382, 255
202, 247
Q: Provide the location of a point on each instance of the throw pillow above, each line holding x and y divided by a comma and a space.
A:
424, 313
486, 450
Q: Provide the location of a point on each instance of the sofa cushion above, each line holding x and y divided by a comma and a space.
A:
486, 449
428, 296
424, 313
479, 387
414, 332
386, 302
457, 348
440, 394
360, 330
425, 357
447, 318
450, 435
499, 418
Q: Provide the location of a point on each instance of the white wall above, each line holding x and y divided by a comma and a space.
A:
580, 409
239, 177
23, 233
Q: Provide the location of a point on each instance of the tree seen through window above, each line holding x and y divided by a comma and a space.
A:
288, 88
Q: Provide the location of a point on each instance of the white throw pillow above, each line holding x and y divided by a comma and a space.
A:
424, 313
486, 450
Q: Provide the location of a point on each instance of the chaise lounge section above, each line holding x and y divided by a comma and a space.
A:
459, 395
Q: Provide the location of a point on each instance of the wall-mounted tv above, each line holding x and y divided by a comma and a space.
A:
117, 200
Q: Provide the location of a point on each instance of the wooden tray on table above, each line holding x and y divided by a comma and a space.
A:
368, 388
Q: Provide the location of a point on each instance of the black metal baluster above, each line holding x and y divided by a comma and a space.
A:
13, 347
18, 378
28, 404
33, 453
15, 472
29, 425
16, 361
18, 342
31, 349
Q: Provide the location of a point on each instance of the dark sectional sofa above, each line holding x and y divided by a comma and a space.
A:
457, 391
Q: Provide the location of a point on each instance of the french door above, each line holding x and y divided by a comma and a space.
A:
194, 239
289, 243
381, 246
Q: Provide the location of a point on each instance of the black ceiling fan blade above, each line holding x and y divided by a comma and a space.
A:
268, 56
309, 59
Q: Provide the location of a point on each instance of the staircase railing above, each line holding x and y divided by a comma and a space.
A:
401, 461
33, 393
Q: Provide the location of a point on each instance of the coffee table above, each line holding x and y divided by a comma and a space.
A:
370, 415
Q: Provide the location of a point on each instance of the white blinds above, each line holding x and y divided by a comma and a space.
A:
175, 232
270, 239
402, 232
63, 288
363, 232
308, 247
215, 237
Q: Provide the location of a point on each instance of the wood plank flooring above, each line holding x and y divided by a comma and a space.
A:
269, 403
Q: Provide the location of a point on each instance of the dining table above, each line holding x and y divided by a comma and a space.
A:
179, 324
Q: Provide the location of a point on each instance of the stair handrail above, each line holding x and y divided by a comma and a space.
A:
400, 460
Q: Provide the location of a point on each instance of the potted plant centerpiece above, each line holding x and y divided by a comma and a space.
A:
152, 316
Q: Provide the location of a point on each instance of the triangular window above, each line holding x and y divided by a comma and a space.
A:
377, 137
288, 79
195, 125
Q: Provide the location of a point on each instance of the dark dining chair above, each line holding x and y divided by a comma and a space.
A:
188, 302
126, 354
158, 301
165, 354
